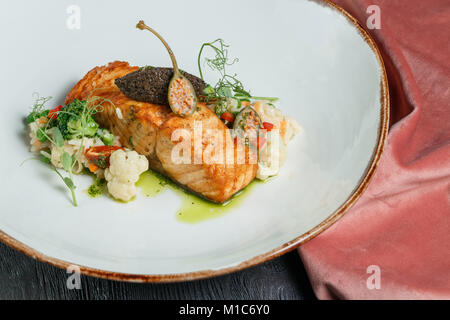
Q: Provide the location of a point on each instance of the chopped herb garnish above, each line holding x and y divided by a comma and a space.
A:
97, 188
101, 162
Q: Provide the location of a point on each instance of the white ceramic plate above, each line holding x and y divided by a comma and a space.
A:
326, 70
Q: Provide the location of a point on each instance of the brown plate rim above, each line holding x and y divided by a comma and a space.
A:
382, 135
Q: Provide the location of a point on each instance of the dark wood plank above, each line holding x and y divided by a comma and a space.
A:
22, 277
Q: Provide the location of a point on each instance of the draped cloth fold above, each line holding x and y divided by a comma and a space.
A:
394, 243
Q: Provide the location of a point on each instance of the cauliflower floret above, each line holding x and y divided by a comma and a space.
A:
123, 172
292, 128
288, 126
274, 152
270, 161
121, 191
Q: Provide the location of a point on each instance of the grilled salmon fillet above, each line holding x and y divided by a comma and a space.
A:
149, 128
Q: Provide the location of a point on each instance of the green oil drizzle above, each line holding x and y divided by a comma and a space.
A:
151, 183
193, 208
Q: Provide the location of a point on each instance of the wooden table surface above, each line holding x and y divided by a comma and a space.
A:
22, 277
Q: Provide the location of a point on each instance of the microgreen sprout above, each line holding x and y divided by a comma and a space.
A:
228, 86
38, 110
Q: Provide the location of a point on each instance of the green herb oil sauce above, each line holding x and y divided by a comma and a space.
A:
193, 208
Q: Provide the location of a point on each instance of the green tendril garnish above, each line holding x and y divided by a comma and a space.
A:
228, 85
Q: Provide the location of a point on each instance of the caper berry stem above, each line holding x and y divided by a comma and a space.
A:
181, 93
142, 26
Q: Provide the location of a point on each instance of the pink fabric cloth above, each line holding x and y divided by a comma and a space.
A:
402, 222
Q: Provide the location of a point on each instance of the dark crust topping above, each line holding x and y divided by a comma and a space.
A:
151, 84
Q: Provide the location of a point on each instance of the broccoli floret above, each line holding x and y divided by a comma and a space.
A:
75, 120
82, 126
106, 136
